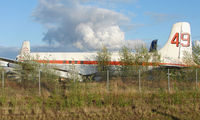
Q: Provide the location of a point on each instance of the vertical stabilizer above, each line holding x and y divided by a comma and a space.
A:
178, 44
25, 50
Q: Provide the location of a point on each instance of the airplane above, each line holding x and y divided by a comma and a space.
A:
85, 63
3, 64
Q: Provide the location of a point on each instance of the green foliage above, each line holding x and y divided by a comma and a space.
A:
55, 101
126, 58
155, 58
3, 99
194, 58
196, 54
1, 69
74, 74
103, 58
30, 74
141, 56
189, 59
139, 60
133, 61
29, 71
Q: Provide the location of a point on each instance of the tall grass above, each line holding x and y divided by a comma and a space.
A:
88, 97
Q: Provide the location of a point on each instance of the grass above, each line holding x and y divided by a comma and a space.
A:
91, 100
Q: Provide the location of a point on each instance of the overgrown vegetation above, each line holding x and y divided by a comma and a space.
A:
192, 59
28, 71
71, 99
92, 100
155, 58
196, 54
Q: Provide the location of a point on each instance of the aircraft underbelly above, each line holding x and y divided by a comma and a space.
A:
81, 69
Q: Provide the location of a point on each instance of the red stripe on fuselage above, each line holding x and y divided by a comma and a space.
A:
110, 63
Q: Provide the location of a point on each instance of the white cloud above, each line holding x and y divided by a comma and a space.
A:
85, 27
94, 37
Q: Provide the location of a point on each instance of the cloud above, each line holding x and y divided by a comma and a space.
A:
135, 44
94, 37
80, 26
160, 17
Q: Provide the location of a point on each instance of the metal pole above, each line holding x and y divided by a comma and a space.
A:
196, 79
73, 71
107, 79
139, 82
39, 83
168, 81
2, 79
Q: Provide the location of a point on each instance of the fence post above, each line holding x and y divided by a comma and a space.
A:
139, 82
196, 79
74, 77
2, 79
168, 81
107, 80
39, 83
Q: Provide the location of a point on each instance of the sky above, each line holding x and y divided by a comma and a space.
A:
86, 25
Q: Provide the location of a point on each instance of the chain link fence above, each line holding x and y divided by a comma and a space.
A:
156, 79
139, 80
32, 80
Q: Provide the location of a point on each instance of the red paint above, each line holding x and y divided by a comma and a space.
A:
175, 39
110, 63
185, 39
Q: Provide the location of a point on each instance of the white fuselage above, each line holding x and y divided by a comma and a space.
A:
85, 63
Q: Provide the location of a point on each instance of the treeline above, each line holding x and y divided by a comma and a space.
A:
130, 59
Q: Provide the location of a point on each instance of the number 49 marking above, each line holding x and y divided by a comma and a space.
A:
184, 37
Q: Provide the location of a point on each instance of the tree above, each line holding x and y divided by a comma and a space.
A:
141, 56
155, 58
126, 58
103, 59
196, 54
192, 58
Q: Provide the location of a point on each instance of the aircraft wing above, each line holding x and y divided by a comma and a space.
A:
171, 65
55, 68
63, 70
9, 60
